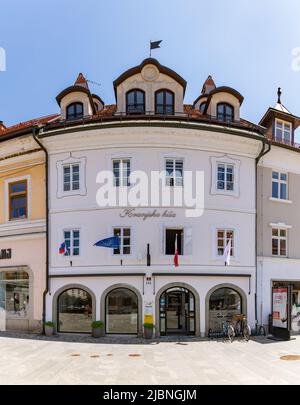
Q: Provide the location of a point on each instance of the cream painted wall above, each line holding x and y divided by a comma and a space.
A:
224, 97
73, 97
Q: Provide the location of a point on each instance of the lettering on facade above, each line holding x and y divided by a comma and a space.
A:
132, 213
5, 254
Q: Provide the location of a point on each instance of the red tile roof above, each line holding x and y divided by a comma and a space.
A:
28, 124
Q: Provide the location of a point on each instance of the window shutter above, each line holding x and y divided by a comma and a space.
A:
163, 239
187, 240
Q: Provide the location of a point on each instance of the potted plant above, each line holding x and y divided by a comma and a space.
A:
49, 328
98, 329
148, 330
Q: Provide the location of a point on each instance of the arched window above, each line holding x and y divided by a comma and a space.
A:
74, 111
164, 102
135, 102
225, 112
223, 304
74, 311
202, 107
121, 311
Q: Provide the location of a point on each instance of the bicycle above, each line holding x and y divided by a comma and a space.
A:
238, 326
228, 330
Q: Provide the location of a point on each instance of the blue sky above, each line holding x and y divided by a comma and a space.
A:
244, 44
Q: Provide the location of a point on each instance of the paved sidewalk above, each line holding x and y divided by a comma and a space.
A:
39, 360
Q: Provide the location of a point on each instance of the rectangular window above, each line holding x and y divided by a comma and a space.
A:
174, 172
283, 131
170, 237
71, 177
121, 170
125, 241
225, 177
72, 241
279, 185
223, 237
279, 242
18, 200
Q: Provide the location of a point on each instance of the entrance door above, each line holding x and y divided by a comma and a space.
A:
177, 312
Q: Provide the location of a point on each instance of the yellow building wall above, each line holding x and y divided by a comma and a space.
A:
37, 195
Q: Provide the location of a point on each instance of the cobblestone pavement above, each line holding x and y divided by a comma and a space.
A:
78, 359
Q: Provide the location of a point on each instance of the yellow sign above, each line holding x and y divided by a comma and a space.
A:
148, 318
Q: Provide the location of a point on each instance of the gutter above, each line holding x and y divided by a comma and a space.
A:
263, 152
35, 132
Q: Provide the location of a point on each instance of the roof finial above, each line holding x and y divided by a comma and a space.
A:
279, 95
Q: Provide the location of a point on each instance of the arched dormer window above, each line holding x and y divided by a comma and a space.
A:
74, 111
164, 102
202, 107
225, 112
135, 102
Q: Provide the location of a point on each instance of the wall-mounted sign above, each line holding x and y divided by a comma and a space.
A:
280, 307
5, 254
133, 213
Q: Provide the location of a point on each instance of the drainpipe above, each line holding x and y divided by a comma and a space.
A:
263, 152
35, 132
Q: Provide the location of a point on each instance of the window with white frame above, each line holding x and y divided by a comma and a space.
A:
225, 177
124, 235
279, 185
72, 241
71, 177
174, 172
283, 131
279, 241
121, 171
223, 238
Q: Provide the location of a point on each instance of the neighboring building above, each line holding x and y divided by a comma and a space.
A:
149, 129
278, 198
22, 228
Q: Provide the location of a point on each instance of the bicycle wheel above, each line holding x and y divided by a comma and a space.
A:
231, 333
246, 332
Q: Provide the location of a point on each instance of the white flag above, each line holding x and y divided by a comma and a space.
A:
226, 254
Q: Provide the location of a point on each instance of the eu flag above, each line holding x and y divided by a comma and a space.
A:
113, 242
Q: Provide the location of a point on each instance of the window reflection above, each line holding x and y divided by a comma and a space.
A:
14, 293
121, 311
223, 304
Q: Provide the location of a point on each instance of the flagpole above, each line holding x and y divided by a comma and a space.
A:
150, 48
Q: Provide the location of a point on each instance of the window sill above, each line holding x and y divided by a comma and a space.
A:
280, 200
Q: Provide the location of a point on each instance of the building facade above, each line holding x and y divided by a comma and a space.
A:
150, 129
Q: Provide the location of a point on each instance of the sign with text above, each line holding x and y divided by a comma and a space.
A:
280, 307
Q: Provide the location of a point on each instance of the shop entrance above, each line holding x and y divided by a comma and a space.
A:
177, 312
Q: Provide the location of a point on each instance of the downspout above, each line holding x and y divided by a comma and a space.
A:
263, 152
35, 132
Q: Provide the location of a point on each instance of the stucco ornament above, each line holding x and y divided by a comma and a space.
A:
150, 73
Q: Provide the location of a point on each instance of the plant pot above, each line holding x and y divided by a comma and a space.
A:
98, 332
49, 330
148, 333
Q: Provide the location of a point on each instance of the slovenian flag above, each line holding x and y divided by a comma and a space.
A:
63, 249
176, 263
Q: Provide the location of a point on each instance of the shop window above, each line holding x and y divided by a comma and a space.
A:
14, 293
279, 242
223, 304
279, 185
18, 200
170, 238
74, 311
124, 235
122, 311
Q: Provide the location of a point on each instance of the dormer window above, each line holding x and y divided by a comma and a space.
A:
164, 102
135, 102
225, 112
283, 131
202, 107
74, 111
